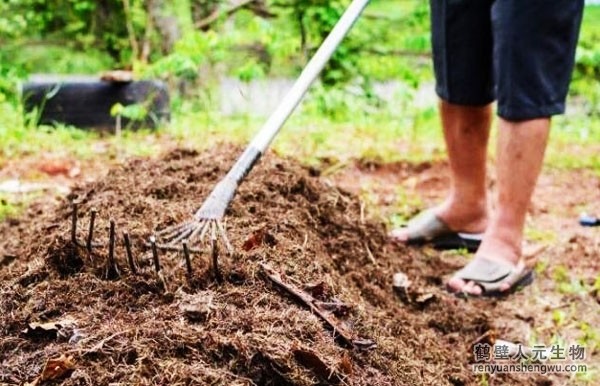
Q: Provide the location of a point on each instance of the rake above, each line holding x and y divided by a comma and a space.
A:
207, 221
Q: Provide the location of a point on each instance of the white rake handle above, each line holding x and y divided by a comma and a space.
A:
285, 108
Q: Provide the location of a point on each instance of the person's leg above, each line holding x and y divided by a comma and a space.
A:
534, 49
520, 149
461, 33
466, 132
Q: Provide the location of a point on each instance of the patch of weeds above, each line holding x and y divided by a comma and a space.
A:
484, 380
566, 283
590, 337
540, 235
574, 287
406, 205
12, 205
9, 209
560, 274
559, 317
590, 377
541, 266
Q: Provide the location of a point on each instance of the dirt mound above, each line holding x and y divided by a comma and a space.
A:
138, 329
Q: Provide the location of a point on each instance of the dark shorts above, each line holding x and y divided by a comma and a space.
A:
520, 52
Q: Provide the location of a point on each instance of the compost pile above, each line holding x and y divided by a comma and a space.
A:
56, 301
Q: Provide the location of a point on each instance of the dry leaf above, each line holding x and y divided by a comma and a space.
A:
345, 364
255, 240
56, 368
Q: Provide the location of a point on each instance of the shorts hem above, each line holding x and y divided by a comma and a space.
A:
512, 113
442, 94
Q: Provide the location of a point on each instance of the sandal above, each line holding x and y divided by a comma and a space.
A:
492, 275
427, 227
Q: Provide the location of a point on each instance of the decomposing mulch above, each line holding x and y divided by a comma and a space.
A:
56, 300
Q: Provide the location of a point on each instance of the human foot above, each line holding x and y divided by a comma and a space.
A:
496, 269
450, 218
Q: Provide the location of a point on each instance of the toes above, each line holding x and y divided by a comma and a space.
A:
505, 287
472, 289
400, 235
459, 285
456, 284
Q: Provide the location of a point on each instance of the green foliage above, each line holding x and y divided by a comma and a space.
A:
192, 51
390, 42
586, 78
8, 208
134, 112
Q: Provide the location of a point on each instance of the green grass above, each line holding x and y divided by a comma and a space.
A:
8, 208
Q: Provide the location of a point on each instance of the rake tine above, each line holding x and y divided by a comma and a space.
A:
214, 248
186, 256
170, 237
182, 236
155, 254
173, 248
225, 238
91, 229
205, 230
199, 229
74, 223
130, 261
172, 230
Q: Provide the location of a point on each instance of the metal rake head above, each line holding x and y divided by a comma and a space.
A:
192, 235
205, 225
180, 238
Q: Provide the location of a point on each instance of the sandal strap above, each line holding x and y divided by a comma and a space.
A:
490, 274
486, 270
427, 226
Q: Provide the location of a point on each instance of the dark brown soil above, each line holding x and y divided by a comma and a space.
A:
133, 330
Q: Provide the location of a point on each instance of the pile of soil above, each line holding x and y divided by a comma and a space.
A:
56, 300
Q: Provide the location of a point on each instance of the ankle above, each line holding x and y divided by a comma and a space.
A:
462, 215
502, 242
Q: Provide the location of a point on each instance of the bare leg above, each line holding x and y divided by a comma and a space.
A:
521, 147
466, 133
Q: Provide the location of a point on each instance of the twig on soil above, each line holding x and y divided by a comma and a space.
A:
370, 254
97, 346
362, 212
340, 331
305, 242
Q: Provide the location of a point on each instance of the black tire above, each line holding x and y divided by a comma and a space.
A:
87, 103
